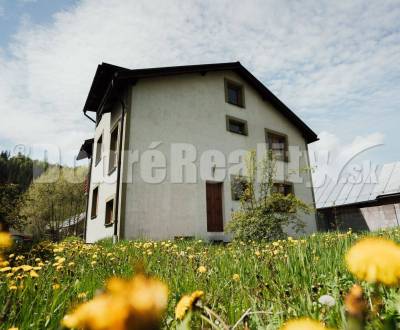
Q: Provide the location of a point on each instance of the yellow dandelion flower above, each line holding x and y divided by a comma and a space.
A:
257, 253
303, 324
186, 303
12, 288
13, 328
5, 269
236, 277
4, 263
26, 268
82, 295
135, 304
56, 286
375, 260
5, 240
202, 269
70, 264
33, 273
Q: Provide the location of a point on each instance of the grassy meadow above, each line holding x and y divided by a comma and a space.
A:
276, 281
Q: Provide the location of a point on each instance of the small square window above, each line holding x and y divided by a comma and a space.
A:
283, 188
278, 144
239, 184
234, 93
99, 147
113, 158
236, 125
109, 220
95, 201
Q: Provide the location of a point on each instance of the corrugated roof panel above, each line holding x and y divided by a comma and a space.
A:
336, 194
384, 177
393, 185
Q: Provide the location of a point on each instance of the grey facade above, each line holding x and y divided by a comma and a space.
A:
156, 108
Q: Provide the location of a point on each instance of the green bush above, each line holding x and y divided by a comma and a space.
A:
263, 212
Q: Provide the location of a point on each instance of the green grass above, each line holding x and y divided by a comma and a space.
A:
279, 282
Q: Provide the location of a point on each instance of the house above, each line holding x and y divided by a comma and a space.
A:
361, 203
177, 117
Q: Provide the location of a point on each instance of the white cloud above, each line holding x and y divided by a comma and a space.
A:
320, 58
331, 157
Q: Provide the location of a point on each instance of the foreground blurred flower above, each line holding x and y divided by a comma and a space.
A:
5, 240
303, 324
375, 260
186, 303
354, 302
135, 304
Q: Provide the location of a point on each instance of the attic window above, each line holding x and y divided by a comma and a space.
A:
234, 93
236, 125
109, 220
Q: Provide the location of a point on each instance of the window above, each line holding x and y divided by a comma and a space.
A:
239, 185
113, 159
109, 212
236, 125
283, 188
95, 201
99, 146
234, 93
278, 144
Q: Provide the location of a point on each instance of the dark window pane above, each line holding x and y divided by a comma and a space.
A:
95, 198
234, 94
109, 212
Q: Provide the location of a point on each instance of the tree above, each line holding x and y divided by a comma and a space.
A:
53, 198
264, 213
16, 174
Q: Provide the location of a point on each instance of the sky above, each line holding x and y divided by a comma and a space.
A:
336, 64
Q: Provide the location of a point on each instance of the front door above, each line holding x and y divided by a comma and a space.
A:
214, 207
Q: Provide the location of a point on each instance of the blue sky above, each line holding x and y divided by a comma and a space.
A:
336, 64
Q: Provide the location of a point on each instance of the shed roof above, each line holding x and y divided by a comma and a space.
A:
362, 190
110, 78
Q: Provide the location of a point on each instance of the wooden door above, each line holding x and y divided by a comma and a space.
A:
214, 207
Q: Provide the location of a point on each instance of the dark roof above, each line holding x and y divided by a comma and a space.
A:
86, 150
110, 78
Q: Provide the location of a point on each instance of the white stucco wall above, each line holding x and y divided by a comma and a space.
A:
100, 177
189, 108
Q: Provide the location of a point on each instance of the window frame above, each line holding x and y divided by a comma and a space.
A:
111, 168
233, 177
269, 132
230, 83
108, 200
99, 151
94, 216
238, 120
286, 184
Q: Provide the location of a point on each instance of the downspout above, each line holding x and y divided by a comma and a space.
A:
117, 193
